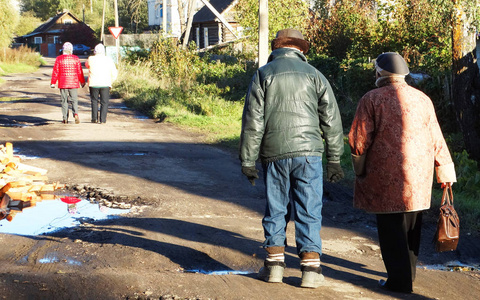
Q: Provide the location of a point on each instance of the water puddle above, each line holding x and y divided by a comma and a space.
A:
221, 272
48, 216
453, 266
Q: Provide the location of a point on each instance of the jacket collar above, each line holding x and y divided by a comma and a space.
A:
386, 80
286, 53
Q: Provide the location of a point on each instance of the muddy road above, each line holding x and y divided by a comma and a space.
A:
194, 231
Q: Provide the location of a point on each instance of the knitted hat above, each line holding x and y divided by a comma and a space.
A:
290, 38
391, 64
68, 47
99, 49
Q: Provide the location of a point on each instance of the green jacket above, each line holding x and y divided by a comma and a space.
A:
289, 109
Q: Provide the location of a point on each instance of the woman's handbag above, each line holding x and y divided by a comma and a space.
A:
448, 227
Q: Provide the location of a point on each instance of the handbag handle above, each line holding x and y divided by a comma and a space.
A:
447, 197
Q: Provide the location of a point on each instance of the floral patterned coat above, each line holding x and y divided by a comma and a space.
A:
396, 144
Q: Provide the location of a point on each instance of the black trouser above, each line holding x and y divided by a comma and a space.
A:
399, 238
104, 93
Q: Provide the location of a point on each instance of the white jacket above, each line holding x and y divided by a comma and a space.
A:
102, 71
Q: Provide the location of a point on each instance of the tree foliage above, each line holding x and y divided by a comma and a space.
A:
28, 23
8, 22
418, 29
282, 14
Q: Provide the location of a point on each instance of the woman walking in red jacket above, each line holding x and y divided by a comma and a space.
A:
67, 70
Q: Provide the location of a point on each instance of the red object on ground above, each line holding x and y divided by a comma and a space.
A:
70, 200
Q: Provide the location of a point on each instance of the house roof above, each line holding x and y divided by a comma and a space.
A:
44, 28
206, 15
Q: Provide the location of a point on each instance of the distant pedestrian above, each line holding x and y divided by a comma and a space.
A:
396, 145
102, 73
67, 70
289, 110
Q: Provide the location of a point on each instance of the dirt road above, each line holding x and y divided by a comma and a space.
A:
195, 232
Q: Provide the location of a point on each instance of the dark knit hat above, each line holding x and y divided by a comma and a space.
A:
290, 38
390, 64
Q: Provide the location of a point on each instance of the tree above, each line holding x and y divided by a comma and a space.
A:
466, 81
43, 9
28, 23
282, 14
8, 22
79, 33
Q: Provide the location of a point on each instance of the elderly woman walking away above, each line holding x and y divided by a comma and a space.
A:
67, 71
396, 145
102, 73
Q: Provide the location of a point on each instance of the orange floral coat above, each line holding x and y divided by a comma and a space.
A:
396, 144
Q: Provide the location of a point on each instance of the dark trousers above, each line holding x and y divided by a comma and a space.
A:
399, 238
104, 94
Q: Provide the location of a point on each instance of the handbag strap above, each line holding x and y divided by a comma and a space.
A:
447, 197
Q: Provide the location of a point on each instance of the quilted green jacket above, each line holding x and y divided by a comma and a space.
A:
289, 110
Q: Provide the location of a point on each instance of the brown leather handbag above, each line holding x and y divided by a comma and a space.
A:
448, 226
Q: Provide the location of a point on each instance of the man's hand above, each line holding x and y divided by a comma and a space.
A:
251, 173
334, 172
52, 86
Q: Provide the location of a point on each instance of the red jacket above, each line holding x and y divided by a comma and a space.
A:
68, 71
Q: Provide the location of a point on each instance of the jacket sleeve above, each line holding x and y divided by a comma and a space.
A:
330, 121
81, 77
444, 167
55, 72
114, 71
253, 125
361, 133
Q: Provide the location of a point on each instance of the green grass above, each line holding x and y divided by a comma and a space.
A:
16, 68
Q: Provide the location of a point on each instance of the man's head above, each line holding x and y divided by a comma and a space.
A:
290, 38
67, 48
99, 49
391, 64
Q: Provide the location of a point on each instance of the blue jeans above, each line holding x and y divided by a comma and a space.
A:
302, 179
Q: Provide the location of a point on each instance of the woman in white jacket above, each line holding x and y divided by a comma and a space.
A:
102, 73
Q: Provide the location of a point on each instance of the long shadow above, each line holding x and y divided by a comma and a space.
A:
186, 257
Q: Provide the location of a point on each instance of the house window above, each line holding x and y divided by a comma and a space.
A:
37, 40
205, 37
67, 22
56, 40
197, 36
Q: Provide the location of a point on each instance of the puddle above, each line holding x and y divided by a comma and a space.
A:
221, 272
49, 216
453, 266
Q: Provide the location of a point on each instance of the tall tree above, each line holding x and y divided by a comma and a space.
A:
282, 14
466, 81
28, 22
8, 22
43, 9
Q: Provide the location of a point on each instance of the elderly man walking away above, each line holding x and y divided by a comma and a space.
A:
67, 70
102, 73
396, 144
289, 109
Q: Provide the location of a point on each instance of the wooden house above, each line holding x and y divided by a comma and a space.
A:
215, 26
46, 37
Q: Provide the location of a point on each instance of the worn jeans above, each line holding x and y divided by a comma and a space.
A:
69, 95
302, 179
101, 95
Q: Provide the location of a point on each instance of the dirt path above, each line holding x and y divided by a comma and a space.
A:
194, 214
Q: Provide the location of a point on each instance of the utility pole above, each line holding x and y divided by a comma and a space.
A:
102, 35
262, 32
117, 40
164, 17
